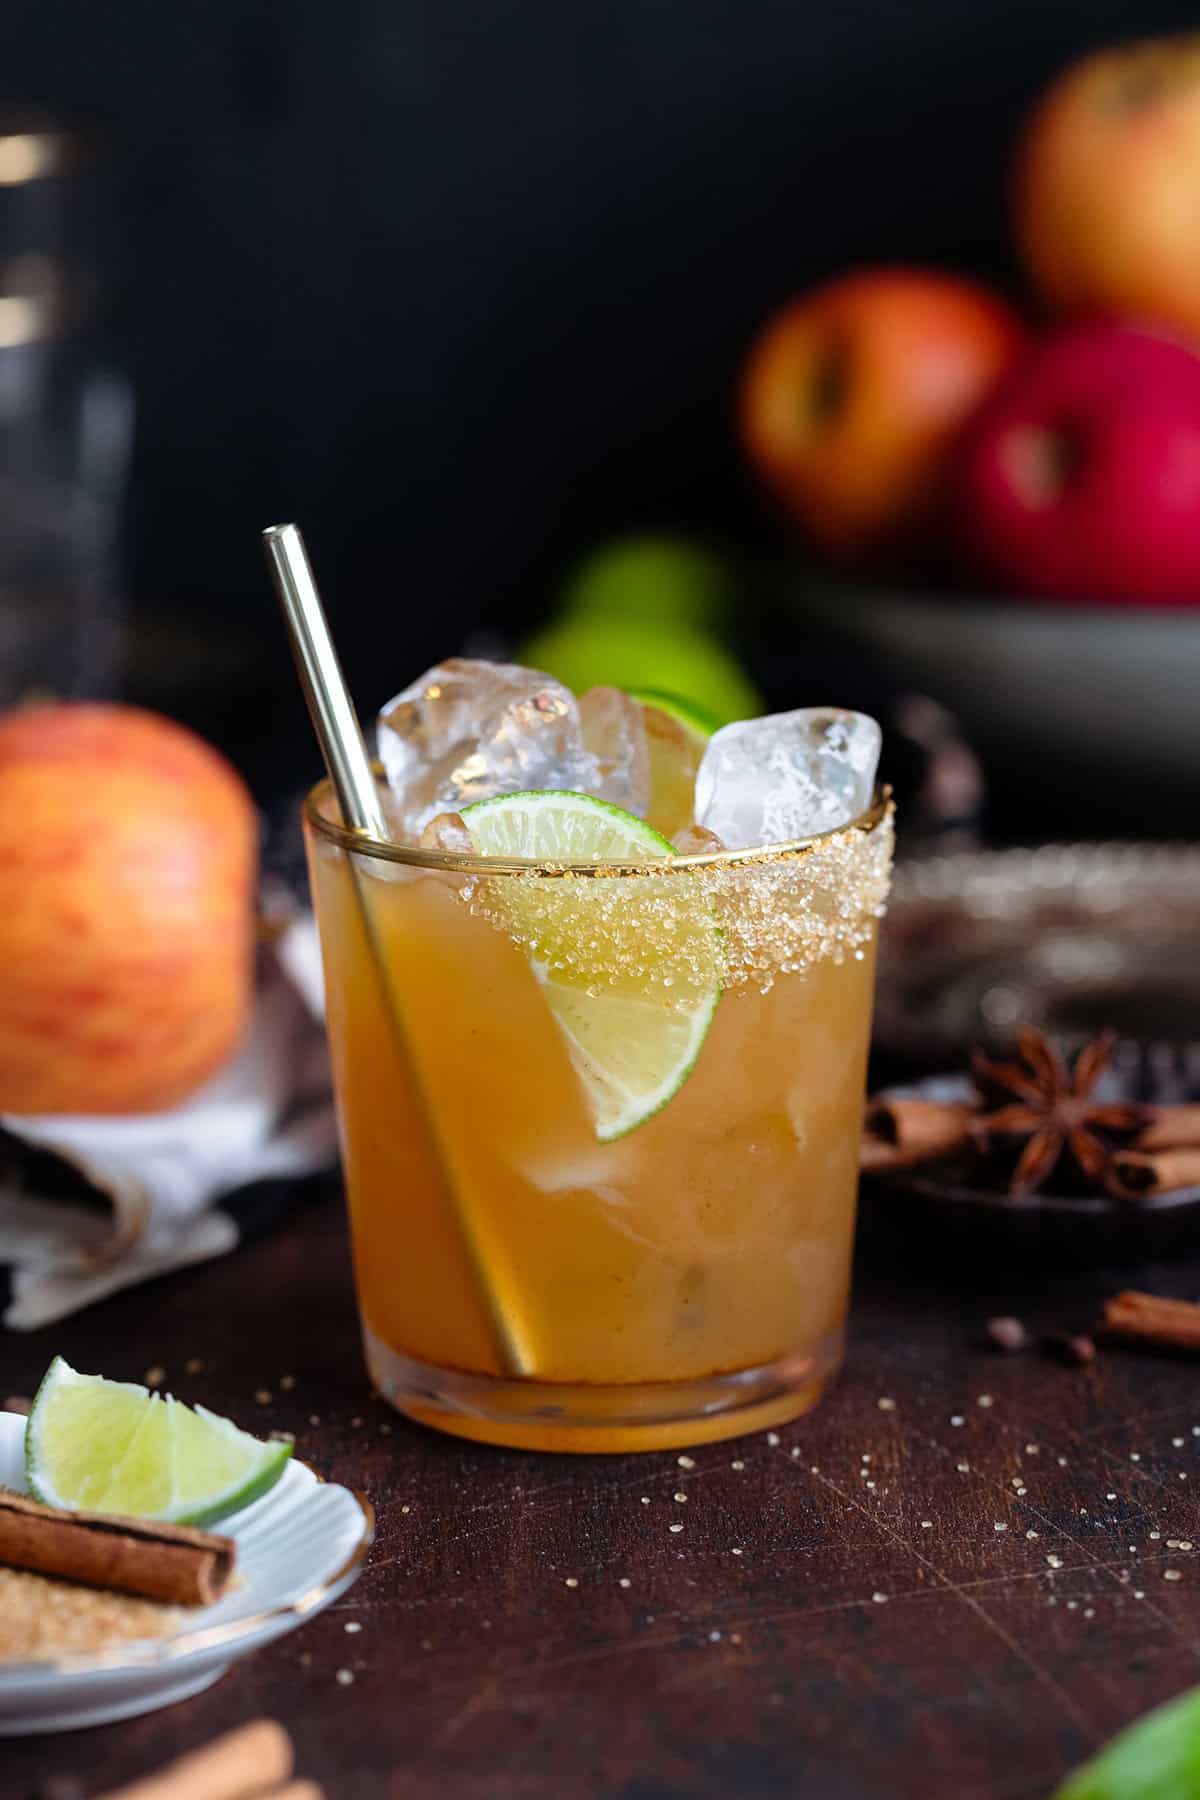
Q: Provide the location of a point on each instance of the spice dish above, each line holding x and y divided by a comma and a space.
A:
298, 1548
948, 1209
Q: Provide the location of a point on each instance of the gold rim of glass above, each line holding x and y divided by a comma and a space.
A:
412, 855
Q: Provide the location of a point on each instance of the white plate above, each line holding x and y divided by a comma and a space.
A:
299, 1547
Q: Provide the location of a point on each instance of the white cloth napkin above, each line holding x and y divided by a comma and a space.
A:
268, 1113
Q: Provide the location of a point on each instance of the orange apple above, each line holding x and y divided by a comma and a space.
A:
851, 395
128, 850
1107, 190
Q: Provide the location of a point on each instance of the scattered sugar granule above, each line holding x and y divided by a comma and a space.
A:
999, 1525
737, 1463
351, 1626
1134, 1456
1032, 1536
737, 1550
1033, 1449
963, 1468
957, 1419
685, 1462
926, 1524
264, 1396
1055, 1562
681, 1497
1172, 1575
773, 1439
879, 1599
674, 1527
570, 1581
287, 1383
985, 1400
194, 1365
344, 1677
155, 1375
624, 1581
885, 1403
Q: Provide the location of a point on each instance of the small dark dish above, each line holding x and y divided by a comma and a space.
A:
942, 1212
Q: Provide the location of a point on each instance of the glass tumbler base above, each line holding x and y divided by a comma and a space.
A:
527, 1414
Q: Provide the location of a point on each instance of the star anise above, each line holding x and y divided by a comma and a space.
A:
1052, 1107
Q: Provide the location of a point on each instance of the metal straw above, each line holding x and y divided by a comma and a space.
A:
329, 704
340, 737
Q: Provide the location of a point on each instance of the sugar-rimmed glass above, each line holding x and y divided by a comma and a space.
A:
521, 1282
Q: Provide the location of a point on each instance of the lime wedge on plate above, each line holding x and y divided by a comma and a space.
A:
112, 1446
601, 942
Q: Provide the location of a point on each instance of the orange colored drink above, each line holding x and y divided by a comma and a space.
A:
523, 1282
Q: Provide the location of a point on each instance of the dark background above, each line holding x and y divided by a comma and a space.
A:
462, 285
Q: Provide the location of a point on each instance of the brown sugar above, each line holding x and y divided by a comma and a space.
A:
41, 1617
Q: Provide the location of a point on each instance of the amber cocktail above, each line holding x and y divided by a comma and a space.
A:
524, 1279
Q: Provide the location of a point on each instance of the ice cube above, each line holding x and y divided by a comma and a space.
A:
615, 734
791, 775
694, 840
468, 730
448, 833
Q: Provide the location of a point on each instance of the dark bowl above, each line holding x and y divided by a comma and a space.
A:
933, 1214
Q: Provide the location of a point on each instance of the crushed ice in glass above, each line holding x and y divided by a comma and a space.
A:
791, 775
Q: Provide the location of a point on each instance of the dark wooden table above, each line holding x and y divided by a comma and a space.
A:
952, 1582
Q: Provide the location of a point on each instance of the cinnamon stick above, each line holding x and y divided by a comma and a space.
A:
897, 1134
1148, 1319
1138, 1174
253, 1760
171, 1563
1170, 1128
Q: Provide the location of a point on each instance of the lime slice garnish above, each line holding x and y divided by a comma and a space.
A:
112, 1446
601, 943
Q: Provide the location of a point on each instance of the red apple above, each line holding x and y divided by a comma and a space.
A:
1107, 192
1080, 478
851, 394
127, 864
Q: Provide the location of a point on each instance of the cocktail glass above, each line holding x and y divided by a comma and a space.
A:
521, 1281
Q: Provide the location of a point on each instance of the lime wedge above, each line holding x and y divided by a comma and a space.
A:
112, 1446
676, 737
632, 1039
691, 713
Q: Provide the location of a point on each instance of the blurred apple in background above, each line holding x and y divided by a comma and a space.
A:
1081, 477
127, 872
852, 393
1107, 194
643, 612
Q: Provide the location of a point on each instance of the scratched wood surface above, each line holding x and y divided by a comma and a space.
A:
953, 1581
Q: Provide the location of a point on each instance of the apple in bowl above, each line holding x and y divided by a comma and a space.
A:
128, 852
851, 395
1080, 478
1107, 184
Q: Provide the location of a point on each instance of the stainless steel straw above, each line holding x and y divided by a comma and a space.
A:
336, 725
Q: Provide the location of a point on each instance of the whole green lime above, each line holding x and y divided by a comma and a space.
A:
667, 579
603, 649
